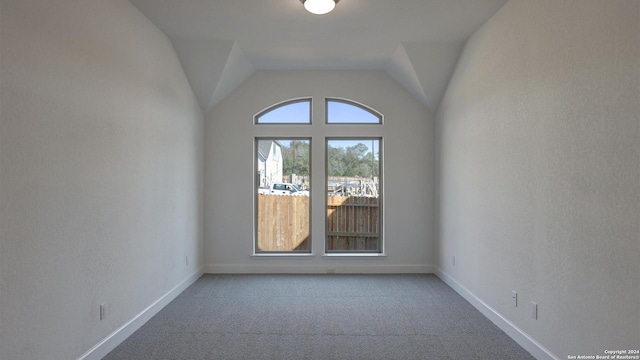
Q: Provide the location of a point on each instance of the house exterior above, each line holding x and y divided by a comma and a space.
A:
270, 162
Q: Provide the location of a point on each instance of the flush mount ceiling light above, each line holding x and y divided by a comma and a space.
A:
319, 7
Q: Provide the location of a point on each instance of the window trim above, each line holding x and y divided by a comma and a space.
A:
364, 107
276, 106
319, 132
381, 212
255, 252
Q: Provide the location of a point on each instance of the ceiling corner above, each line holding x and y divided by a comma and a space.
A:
434, 64
213, 67
203, 61
399, 67
236, 70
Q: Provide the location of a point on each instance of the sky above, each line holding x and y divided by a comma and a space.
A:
294, 113
299, 113
338, 112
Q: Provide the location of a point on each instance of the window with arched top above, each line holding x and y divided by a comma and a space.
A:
295, 111
352, 190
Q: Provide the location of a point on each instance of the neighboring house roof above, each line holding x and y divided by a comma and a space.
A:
264, 148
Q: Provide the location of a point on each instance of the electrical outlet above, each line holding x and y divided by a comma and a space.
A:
453, 261
103, 311
514, 298
534, 311
186, 261
331, 270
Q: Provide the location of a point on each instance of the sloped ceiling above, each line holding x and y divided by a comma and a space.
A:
221, 43
214, 68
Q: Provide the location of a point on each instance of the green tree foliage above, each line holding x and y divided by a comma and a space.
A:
296, 157
352, 161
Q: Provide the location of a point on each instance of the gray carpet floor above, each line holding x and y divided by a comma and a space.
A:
319, 317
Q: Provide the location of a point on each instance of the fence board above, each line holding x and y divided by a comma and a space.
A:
283, 223
352, 223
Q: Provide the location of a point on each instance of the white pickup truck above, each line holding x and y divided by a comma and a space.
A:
283, 189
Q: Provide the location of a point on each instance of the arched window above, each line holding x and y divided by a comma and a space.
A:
341, 111
295, 111
353, 179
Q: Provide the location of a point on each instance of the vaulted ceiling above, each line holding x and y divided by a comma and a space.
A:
222, 42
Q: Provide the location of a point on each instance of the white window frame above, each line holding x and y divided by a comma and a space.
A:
317, 132
380, 249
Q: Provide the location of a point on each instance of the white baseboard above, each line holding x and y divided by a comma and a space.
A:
523, 339
318, 269
114, 339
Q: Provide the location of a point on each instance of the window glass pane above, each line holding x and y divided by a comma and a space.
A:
343, 112
282, 195
354, 195
292, 112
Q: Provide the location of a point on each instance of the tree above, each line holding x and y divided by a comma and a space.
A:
296, 157
352, 161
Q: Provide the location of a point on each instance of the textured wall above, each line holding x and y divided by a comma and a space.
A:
540, 168
101, 158
409, 156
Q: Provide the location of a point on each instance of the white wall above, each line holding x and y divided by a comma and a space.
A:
409, 157
101, 173
540, 168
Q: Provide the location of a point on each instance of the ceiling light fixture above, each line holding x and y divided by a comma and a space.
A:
319, 7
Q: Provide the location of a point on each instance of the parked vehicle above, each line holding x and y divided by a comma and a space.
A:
283, 189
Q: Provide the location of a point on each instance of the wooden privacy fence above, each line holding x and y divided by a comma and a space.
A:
353, 223
283, 223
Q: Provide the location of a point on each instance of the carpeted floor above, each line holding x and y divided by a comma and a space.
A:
319, 317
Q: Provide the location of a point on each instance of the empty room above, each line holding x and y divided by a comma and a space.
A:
319, 179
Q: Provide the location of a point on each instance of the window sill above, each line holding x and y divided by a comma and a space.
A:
283, 255
353, 255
